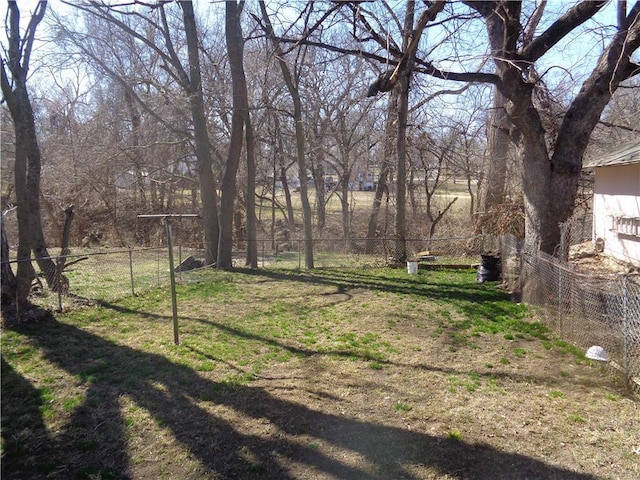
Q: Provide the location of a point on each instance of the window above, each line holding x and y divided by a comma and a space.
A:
628, 226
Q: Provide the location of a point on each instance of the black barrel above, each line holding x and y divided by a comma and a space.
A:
489, 268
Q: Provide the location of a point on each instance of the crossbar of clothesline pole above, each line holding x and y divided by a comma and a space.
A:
170, 215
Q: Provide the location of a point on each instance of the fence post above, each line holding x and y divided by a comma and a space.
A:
172, 277
563, 255
561, 309
59, 288
626, 330
299, 259
133, 292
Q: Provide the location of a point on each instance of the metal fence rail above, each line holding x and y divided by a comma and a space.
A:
107, 275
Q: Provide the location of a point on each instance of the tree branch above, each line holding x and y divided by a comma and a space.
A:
94, 8
622, 127
574, 17
30, 33
314, 27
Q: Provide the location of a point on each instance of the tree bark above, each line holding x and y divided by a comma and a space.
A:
27, 156
240, 111
408, 39
381, 186
7, 277
401, 173
492, 191
550, 179
250, 197
208, 194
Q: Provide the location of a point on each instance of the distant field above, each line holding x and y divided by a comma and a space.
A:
361, 202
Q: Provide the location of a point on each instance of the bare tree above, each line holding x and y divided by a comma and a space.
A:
188, 77
239, 117
550, 175
382, 186
399, 78
300, 137
551, 158
494, 172
27, 153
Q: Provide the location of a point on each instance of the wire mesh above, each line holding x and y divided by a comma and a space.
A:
107, 275
371, 252
104, 276
585, 309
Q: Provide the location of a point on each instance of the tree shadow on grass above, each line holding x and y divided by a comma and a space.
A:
177, 398
302, 351
470, 298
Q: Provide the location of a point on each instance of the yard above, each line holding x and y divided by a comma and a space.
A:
329, 374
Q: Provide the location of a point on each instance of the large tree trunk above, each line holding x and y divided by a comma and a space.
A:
401, 145
27, 156
7, 277
201, 138
235, 48
27, 140
493, 187
401, 173
550, 180
381, 186
302, 175
250, 197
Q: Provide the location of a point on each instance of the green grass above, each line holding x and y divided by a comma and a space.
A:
403, 407
576, 418
112, 372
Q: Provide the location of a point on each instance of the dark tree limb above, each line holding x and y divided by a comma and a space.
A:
574, 17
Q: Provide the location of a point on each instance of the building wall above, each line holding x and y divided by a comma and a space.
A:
616, 211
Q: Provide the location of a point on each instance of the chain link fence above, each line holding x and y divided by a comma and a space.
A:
583, 308
372, 252
106, 275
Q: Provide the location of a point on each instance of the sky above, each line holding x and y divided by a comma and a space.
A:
567, 64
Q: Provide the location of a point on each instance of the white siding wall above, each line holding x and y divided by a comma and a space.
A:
616, 195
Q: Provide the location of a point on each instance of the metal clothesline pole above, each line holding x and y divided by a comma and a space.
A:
166, 218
